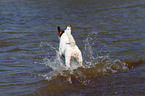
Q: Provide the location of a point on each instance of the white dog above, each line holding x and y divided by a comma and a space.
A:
68, 47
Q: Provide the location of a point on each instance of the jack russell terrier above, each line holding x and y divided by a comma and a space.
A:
68, 47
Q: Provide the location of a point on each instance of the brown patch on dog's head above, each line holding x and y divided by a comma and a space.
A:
60, 32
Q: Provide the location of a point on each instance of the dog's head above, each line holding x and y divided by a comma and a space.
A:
68, 28
60, 32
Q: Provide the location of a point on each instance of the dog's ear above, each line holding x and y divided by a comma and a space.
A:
58, 28
59, 31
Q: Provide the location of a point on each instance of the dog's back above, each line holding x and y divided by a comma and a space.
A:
64, 42
68, 47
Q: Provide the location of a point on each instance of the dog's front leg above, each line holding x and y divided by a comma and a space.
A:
60, 52
67, 61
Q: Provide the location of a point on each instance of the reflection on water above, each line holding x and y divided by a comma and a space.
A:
110, 34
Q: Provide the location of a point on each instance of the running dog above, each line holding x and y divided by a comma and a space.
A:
67, 46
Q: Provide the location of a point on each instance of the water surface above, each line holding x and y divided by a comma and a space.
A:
110, 34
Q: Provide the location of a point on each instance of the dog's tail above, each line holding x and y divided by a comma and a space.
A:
71, 39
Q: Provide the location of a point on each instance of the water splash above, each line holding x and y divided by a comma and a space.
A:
96, 59
53, 61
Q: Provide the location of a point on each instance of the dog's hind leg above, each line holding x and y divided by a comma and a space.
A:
80, 60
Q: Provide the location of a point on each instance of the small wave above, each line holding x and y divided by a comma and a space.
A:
76, 81
15, 50
134, 63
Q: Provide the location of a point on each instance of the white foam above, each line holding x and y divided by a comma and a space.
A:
91, 58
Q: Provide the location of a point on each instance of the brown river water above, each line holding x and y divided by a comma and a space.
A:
110, 34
